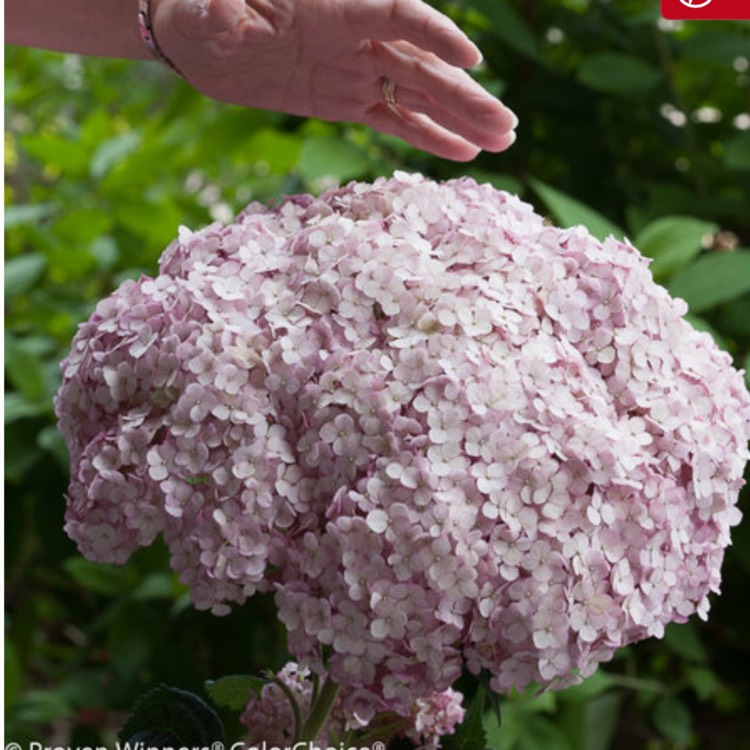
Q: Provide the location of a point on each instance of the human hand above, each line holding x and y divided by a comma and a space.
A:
330, 59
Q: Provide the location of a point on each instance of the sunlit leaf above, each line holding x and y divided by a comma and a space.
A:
23, 272
28, 213
66, 154
17, 406
332, 157
112, 151
24, 369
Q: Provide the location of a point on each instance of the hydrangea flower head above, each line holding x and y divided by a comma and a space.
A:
440, 430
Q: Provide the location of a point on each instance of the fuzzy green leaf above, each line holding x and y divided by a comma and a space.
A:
234, 691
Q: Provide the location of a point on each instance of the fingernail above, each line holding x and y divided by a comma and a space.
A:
480, 56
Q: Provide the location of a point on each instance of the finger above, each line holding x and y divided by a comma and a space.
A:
414, 21
454, 92
484, 135
421, 132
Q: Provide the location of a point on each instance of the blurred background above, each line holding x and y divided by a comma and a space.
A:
629, 124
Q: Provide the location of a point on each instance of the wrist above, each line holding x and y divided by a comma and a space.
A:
146, 15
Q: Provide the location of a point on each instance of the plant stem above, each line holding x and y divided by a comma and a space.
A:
292, 700
319, 710
316, 688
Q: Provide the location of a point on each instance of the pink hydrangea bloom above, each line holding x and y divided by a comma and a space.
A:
269, 717
436, 716
441, 431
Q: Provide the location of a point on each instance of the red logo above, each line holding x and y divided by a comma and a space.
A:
705, 10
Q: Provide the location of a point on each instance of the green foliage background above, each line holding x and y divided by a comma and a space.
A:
627, 125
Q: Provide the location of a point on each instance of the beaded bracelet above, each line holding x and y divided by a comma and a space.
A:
147, 35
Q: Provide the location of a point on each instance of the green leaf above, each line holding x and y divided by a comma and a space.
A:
746, 368
130, 645
617, 73
332, 157
278, 151
161, 585
498, 737
571, 212
735, 317
66, 154
169, 716
737, 152
685, 641
539, 733
713, 47
673, 720
112, 151
17, 406
590, 688
42, 707
602, 718
51, 441
156, 222
508, 25
96, 577
234, 691
713, 279
23, 272
499, 181
704, 681
672, 242
470, 734
28, 213
13, 674
24, 369
20, 452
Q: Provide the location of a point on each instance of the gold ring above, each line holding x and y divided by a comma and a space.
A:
389, 92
